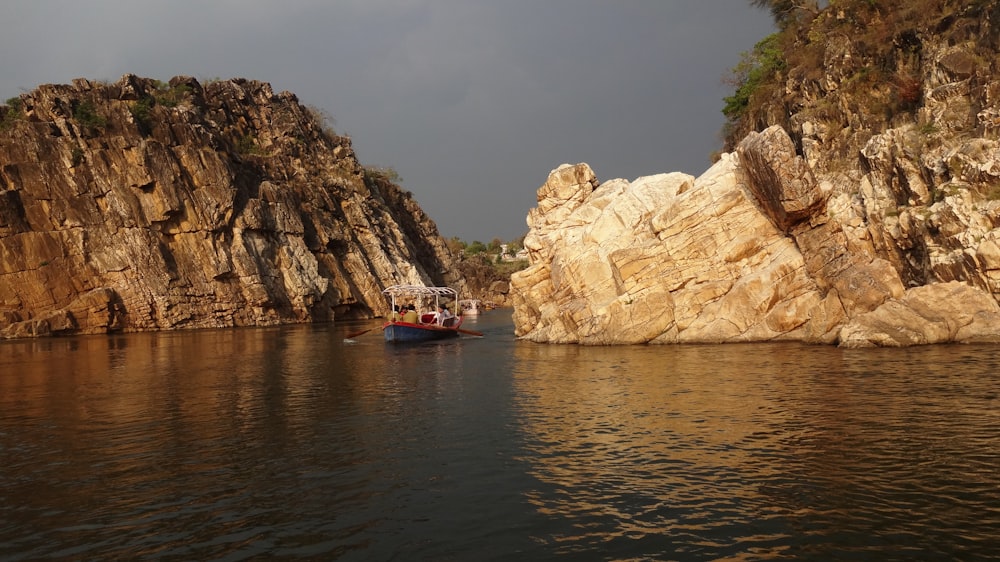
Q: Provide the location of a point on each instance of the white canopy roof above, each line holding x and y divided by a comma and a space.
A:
419, 291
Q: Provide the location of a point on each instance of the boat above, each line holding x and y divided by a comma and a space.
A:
427, 327
470, 307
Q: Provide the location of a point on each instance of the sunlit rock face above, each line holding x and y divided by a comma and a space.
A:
752, 250
864, 210
140, 205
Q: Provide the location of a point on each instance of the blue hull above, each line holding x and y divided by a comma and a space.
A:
402, 332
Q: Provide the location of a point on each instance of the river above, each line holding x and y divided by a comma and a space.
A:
294, 443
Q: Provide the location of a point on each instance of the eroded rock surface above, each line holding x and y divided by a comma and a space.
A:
749, 251
858, 202
140, 205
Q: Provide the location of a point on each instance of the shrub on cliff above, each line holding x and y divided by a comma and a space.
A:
867, 55
141, 111
756, 68
87, 116
12, 112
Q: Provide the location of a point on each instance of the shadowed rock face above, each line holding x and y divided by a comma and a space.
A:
146, 206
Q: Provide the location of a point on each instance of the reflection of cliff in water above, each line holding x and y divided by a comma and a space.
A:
782, 439
250, 383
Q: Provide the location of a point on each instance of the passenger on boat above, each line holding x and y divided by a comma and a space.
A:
395, 313
442, 316
411, 314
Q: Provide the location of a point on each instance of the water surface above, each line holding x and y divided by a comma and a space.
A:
294, 443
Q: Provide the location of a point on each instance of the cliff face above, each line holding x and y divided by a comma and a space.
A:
835, 218
146, 206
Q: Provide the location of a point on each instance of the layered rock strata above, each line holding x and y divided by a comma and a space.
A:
858, 203
140, 205
752, 250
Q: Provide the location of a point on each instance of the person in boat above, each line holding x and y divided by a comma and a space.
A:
442, 316
396, 316
411, 315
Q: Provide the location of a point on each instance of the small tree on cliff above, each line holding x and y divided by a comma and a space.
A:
755, 69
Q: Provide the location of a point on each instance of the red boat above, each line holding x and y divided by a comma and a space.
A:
427, 326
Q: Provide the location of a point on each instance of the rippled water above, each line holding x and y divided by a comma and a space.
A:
294, 443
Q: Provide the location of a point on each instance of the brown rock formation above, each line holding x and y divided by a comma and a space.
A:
145, 206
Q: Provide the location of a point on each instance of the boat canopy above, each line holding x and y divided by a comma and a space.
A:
415, 292
420, 291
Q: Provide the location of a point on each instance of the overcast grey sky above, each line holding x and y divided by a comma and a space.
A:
472, 102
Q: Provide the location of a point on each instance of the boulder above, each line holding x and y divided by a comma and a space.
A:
938, 313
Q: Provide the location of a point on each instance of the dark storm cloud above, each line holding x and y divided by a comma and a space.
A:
472, 102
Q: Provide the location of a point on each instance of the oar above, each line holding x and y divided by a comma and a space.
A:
356, 334
470, 332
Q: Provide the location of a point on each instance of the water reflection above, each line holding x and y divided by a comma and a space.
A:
292, 443
760, 451
162, 444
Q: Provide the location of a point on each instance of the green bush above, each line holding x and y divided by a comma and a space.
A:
476, 247
173, 96
86, 115
247, 144
755, 68
14, 112
141, 110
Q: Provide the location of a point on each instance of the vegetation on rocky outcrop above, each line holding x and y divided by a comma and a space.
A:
143, 205
894, 105
860, 66
487, 267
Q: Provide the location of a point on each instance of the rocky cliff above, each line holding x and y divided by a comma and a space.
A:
852, 209
141, 205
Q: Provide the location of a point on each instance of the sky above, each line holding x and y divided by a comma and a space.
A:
471, 102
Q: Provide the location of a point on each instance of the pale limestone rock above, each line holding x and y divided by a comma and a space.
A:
938, 313
755, 249
665, 259
886, 156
